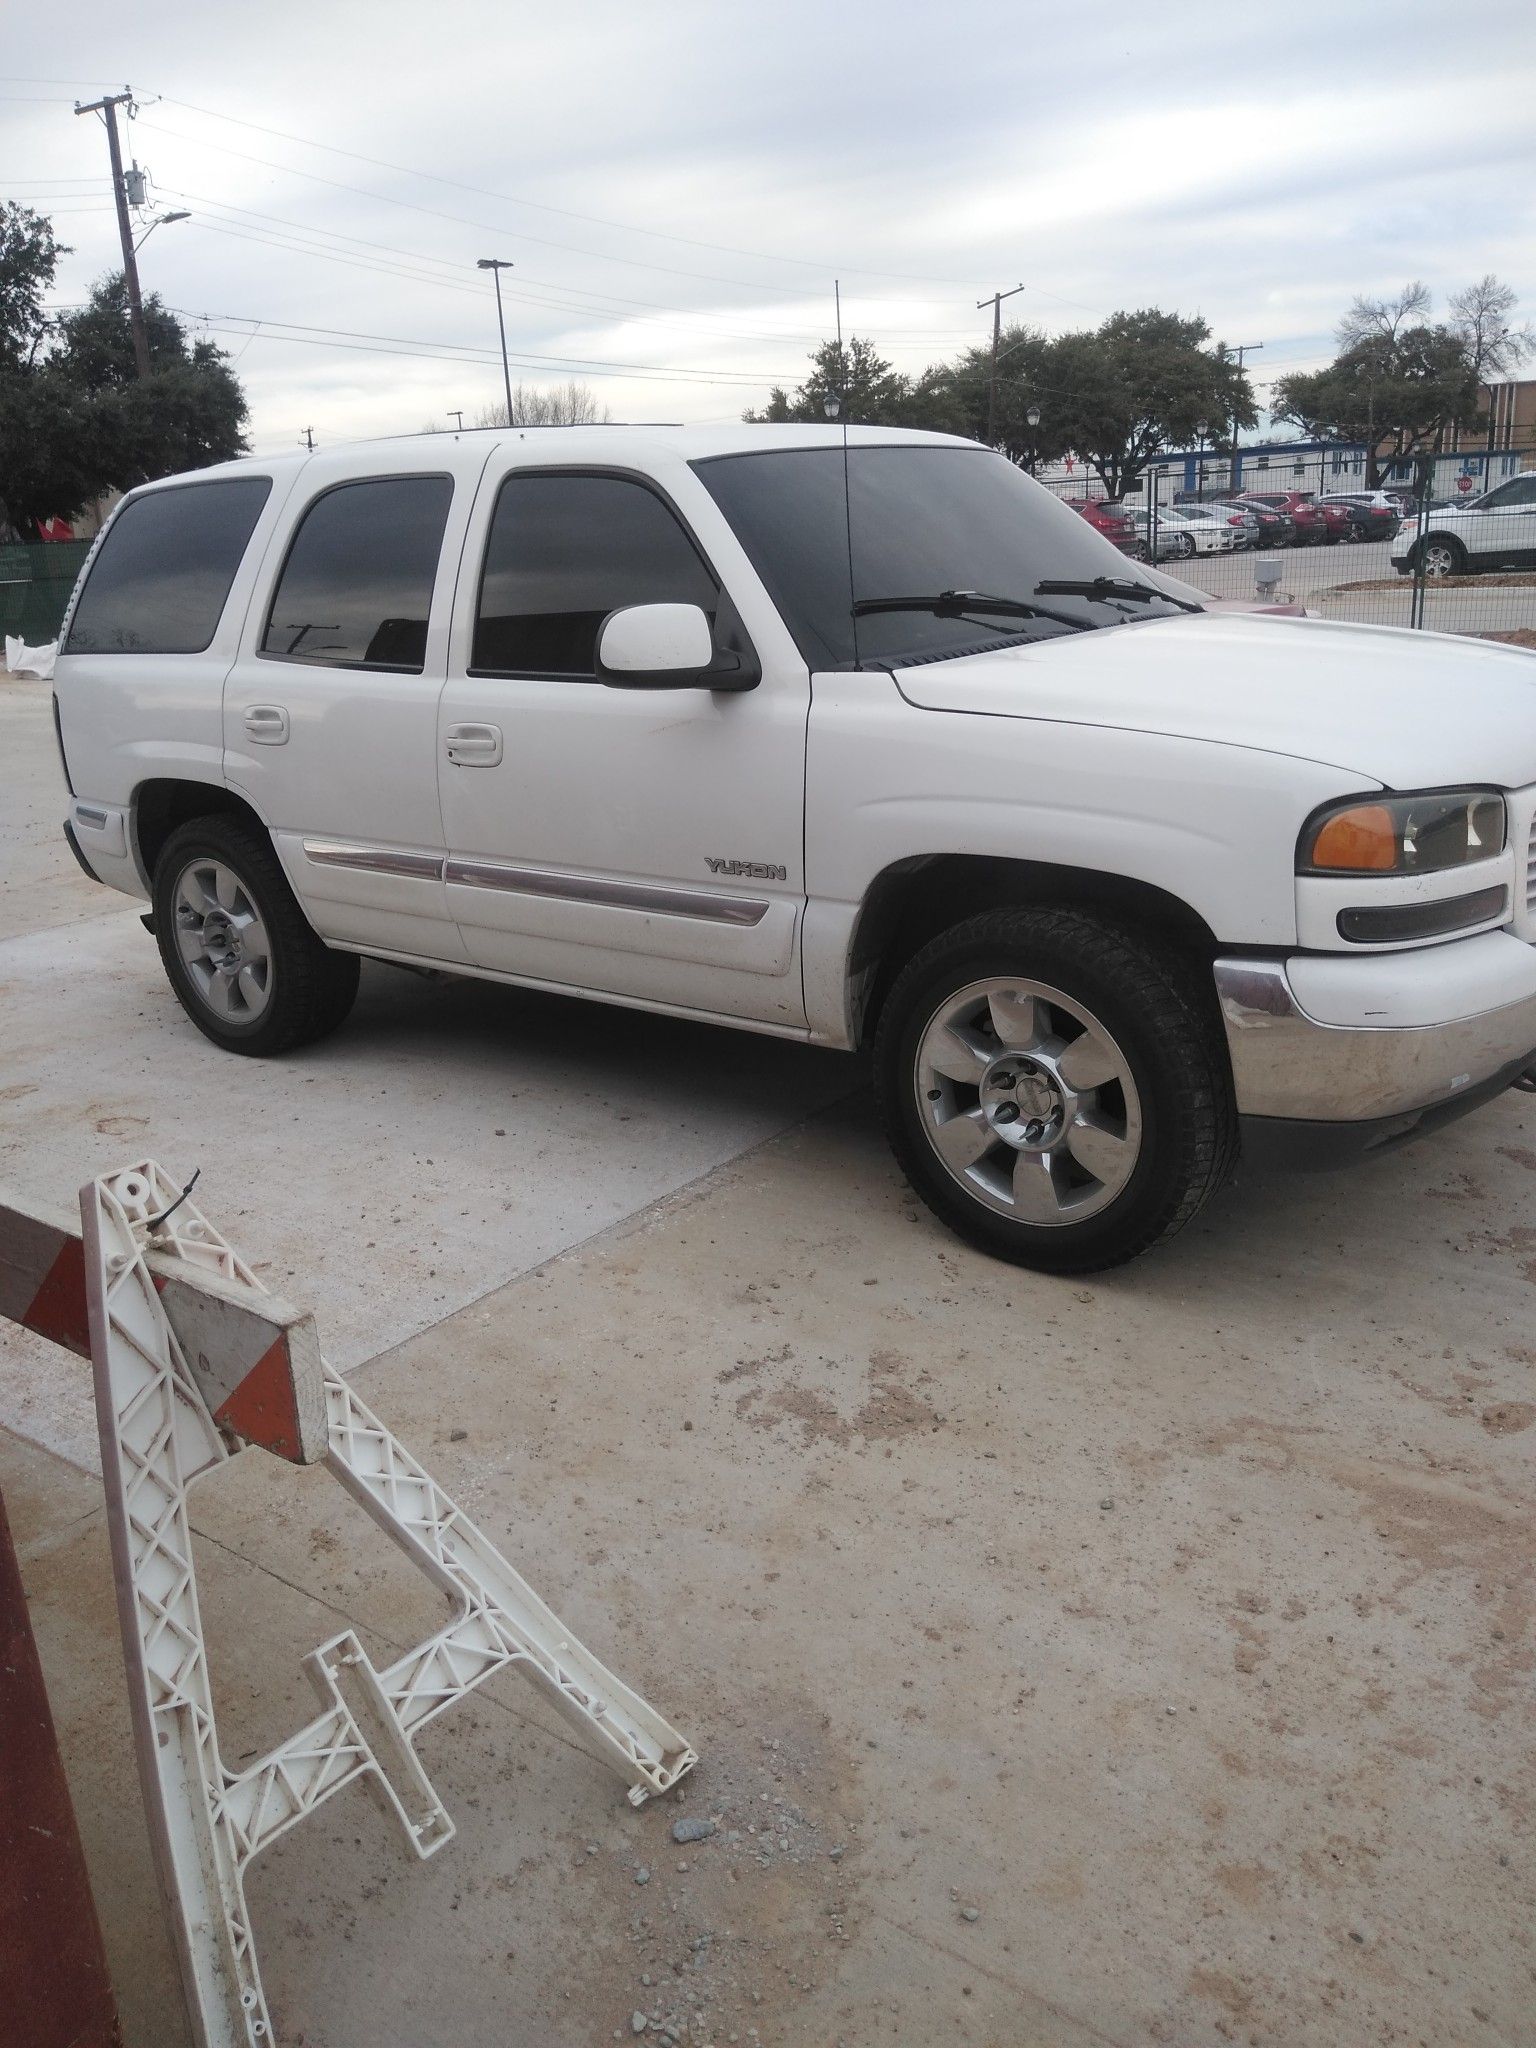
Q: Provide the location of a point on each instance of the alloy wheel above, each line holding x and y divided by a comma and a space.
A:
1027, 1101
223, 941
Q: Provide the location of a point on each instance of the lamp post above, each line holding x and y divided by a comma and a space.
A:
495, 265
161, 221
1032, 421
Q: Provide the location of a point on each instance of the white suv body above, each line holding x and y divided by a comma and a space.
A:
591, 710
1495, 531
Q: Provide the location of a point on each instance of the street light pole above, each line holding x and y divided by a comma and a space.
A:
495, 265
107, 108
161, 221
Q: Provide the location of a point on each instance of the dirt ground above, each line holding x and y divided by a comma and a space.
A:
1139, 1660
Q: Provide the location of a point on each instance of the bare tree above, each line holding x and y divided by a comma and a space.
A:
1481, 318
1385, 319
556, 405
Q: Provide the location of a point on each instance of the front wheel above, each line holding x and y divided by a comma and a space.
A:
240, 954
1441, 555
1183, 546
1055, 1091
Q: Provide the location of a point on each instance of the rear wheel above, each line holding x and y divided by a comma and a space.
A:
240, 954
1183, 546
1056, 1092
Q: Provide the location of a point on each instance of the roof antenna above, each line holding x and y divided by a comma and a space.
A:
836, 407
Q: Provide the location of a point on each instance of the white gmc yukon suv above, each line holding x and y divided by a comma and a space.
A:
864, 743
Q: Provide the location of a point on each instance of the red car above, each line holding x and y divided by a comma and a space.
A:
1315, 521
1113, 521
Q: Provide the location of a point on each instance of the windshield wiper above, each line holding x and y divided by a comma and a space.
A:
1112, 586
954, 604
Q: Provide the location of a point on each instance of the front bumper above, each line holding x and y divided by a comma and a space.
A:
1333, 1057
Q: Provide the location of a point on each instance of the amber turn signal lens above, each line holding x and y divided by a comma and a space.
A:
1366, 837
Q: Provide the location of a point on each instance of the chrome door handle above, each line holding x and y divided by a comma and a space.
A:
473, 746
266, 724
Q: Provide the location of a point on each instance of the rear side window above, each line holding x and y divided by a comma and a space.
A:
356, 589
163, 571
564, 552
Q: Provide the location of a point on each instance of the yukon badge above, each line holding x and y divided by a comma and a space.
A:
759, 870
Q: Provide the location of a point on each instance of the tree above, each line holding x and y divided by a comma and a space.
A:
1482, 316
1401, 380
75, 417
29, 256
852, 373
1138, 384
558, 405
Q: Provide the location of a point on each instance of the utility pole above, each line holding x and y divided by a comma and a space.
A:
1246, 348
107, 108
495, 265
996, 303
455, 414
309, 439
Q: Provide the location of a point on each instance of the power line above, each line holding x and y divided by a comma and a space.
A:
463, 220
540, 206
410, 262
410, 343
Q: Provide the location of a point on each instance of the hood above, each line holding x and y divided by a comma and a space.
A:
1410, 710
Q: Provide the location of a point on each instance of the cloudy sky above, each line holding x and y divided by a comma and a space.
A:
679, 183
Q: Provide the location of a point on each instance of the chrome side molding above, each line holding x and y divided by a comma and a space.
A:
374, 860
655, 898
611, 894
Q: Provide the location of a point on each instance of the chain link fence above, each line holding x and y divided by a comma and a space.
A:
1450, 548
35, 582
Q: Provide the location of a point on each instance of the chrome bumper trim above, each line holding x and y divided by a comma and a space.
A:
600, 889
1287, 1064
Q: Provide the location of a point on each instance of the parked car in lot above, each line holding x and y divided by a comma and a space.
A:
1495, 531
1372, 515
1108, 518
1312, 523
1241, 521
1182, 531
865, 743
1277, 529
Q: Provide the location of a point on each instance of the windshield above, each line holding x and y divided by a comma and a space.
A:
919, 521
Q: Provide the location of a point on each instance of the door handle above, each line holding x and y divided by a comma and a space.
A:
473, 746
266, 724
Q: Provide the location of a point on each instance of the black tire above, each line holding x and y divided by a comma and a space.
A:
1440, 546
307, 990
1147, 1002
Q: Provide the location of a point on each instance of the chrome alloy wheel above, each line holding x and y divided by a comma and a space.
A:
1028, 1101
1439, 558
223, 942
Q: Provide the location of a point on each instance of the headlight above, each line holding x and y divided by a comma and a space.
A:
1403, 835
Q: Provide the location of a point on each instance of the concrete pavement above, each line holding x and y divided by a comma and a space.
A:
1142, 1660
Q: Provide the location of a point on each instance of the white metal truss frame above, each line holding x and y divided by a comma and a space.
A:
157, 1398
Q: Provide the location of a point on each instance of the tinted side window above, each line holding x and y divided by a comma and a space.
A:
161, 575
356, 588
563, 552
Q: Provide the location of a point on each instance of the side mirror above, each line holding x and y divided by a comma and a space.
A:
655, 647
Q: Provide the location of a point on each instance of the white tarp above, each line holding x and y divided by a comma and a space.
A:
23, 660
